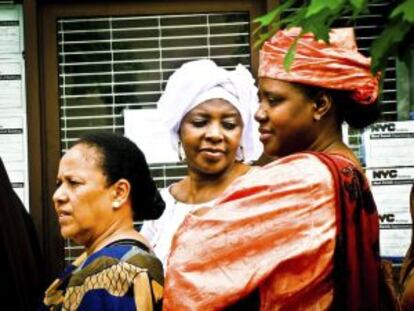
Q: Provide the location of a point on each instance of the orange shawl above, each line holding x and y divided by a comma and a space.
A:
275, 229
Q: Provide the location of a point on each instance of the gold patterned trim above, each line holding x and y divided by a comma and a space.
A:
116, 280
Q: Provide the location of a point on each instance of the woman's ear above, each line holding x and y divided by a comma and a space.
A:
121, 191
321, 105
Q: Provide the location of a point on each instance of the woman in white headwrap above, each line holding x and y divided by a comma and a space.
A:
209, 112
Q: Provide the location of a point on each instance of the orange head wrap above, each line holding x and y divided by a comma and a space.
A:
337, 65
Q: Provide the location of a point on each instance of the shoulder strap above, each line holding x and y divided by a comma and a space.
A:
129, 242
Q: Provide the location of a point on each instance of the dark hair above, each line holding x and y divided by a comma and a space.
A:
352, 112
121, 158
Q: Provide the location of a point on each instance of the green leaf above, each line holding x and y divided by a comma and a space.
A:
267, 19
317, 16
262, 38
387, 43
296, 18
290, 55
318, 25
317, 6
406, 9
358, 5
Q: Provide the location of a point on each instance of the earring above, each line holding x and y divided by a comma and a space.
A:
317, 117
240, 154
181, 153
116, 204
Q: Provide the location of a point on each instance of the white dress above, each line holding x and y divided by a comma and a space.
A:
160, 232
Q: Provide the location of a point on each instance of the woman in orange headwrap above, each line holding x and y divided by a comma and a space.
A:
303, 230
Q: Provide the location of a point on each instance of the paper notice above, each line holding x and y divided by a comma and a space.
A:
143, 126
389, 144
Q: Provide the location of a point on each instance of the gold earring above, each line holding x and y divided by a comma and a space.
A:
116, 204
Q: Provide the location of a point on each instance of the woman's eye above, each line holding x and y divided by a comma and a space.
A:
199, 123
73, 182
229, 125
274, 100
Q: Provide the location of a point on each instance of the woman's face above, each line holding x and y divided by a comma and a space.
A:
210, 134
82, 200
285, 117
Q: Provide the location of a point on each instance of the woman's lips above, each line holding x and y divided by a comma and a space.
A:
62, 215
265, 135
212, 153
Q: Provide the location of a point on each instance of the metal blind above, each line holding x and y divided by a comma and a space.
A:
108, 64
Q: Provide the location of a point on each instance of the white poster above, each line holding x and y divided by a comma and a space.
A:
389, 156
10, 31
12, 140
13, 131
389, 144
11, 94
143, 126
395, 243
14, 154
391, 188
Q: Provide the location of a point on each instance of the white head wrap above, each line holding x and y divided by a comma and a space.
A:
198, 81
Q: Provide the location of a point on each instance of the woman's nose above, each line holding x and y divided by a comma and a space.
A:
214, 132
260, 114
58, 195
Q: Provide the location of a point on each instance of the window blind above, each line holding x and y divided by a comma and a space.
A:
108, 64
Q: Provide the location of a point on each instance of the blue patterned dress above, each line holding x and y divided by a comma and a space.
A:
124, 275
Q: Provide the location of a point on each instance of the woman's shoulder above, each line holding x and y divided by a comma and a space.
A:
122, 250
123, 258
107, 277
166, 193
295, 167
300, 173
